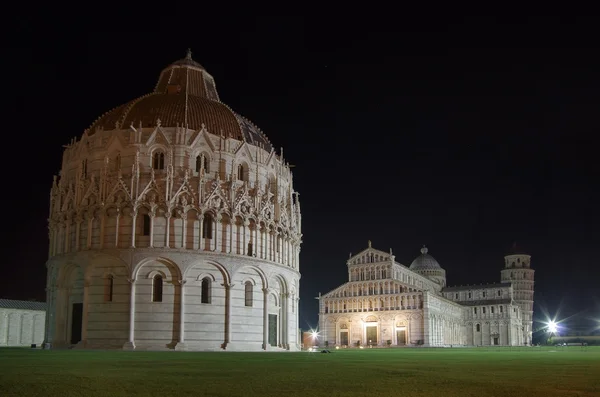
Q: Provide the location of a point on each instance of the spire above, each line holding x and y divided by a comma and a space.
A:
424, 250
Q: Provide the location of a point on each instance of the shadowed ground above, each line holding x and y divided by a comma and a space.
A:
566, 371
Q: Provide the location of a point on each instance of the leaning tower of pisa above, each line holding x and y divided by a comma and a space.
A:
517, 270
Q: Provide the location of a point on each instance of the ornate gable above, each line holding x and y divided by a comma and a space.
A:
185, 195
267, 209
202, 139
370, 255
242, 203
92, 193
243, 151
119, 193
152, 193
158, 137
216, 198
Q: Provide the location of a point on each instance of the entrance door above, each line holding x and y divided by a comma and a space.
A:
496, 341
76, 321
273, 329
401, 336
344, 338
372, 335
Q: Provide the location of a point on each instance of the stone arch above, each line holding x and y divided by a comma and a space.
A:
69, 304
242, 170
157, 146
257, 270
100, 293
201, 153
202, 276
189, 272
172, 266
273, 298
155, 273
280, 281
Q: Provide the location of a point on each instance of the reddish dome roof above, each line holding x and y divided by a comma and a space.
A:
184, 95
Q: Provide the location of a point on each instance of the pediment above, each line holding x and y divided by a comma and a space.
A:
158, 137
369, 255
243, 151
115, 144
202, 140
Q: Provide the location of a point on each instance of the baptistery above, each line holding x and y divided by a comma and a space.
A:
174, 224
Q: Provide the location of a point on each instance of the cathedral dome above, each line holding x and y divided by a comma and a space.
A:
185, 96
425, 262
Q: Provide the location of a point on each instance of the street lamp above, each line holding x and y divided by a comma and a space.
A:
552, 327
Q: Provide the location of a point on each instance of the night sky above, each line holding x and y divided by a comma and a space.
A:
464, 136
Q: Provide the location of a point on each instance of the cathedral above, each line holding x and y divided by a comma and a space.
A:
174, 225
385, 303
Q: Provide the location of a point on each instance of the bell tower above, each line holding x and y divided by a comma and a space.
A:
517, 270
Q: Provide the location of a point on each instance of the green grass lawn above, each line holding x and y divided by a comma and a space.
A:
571, 371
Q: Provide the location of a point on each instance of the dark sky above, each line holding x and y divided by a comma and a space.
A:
465, 136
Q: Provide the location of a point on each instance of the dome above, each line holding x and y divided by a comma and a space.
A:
185, 95
425, 262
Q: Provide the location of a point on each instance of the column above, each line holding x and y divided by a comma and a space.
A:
130, 345
168, 229
84, 319
102, 223
50, 294
78, 221
201, 231
89, 231
68, 235
228, 288
230, 235
117, 218
151, 215
285, 322
219, 231
215, 232
181, 344
184, 231
133, 222
268, 241
266, 319
244, 249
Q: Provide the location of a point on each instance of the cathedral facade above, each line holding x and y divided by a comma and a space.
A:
385, 303
173, 224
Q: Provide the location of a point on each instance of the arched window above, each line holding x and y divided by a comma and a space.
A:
108, 288
158, 161
146, 226
157, 288
84, 168
478, 327
248, 293
202, 163
205, 290
118, 162
207, 225
240, 172
249, 249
